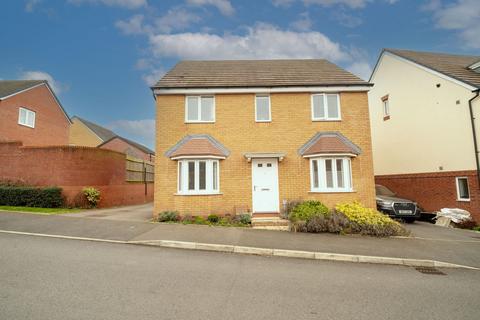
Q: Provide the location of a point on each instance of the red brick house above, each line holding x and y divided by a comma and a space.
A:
31, 112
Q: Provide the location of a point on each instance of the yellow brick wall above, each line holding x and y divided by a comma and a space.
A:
236, 129
81, 135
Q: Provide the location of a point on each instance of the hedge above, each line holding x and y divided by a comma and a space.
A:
50, 197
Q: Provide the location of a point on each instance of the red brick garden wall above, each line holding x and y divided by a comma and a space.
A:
434, 191
117, 144
73, 168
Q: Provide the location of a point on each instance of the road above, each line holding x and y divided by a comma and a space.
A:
46, 278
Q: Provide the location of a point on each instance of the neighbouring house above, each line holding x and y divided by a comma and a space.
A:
87, 133
31, 112
252, 136
425, 113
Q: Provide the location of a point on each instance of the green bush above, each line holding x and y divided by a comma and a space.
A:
213, 218
243, 218
335, 222
167, 216
50, 197
92, 195
369, 221
199, 220
306, 210
187, 219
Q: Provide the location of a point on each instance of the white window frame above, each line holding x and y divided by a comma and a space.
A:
325, 104
269, 108
199, 104
386, 108
458, 189
28, 114
322, 176
182, 185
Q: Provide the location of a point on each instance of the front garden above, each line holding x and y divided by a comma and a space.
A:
242, 220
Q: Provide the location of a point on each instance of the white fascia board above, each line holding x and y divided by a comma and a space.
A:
21, 91
431, 71
194, 91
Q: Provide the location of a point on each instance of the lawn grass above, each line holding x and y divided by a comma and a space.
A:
44, 211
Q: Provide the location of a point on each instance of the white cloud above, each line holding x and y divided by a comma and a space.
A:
462, 16
361, 69
31, 4
262, 41
304, 23
129, 4
41, 75
176, 19
152, 77
224, 6
347, 20
350, 3
134, 25
283, 3
142, 130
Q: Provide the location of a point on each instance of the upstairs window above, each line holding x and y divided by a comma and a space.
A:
198, 176
200, 109
26, 117
262, 109
463, 192
326, 107
386, 107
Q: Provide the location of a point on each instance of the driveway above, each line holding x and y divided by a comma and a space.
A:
140, 213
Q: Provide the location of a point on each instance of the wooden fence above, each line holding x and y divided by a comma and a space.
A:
139, 170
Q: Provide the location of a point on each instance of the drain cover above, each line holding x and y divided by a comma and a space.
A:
430, 270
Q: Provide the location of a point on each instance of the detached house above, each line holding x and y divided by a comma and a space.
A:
30, 112
250, 136
425, 115
89, 134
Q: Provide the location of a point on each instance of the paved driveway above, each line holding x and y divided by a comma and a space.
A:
428, 231
130, 213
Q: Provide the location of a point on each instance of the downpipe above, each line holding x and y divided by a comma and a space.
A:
474, 131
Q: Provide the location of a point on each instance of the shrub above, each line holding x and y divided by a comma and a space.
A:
50, 197
199, 220
167, 216
92, 195
369, 221
243, 218
187, 219
335, 222
466, 224
307, 210
213, 218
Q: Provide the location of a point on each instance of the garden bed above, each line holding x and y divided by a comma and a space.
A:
243, 220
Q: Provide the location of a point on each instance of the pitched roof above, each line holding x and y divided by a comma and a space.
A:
452, 65
329, 142
103, 133
131, 142
9, 87
198, 145
107, 135
256, 73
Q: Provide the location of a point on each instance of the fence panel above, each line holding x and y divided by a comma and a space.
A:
138, 170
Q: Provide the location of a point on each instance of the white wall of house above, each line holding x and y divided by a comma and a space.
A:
427, 129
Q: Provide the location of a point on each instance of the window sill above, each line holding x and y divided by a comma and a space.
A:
326, 120
332, 191
463, 200
196, 122
26, 125
199, 194
263, 121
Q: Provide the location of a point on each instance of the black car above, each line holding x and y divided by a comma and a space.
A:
398, 208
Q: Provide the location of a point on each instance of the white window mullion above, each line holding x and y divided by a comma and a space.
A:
199, 110
325, 106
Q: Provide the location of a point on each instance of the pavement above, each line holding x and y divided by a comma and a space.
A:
428, 242
56, 279
141, 213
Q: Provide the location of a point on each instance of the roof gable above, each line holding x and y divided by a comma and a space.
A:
198, 145
103, 133
329, 142
257, 73
137, 145
454, 67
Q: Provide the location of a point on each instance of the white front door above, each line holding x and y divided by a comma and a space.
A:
265, 185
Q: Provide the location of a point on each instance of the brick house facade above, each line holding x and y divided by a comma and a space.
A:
30, 112
255, 157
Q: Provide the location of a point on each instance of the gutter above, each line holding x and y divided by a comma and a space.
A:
475, 142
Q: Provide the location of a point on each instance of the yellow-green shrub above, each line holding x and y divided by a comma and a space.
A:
370, 221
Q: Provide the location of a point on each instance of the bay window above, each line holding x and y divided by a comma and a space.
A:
330, 174
198, 176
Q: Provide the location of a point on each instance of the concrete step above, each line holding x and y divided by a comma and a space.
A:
270, 223
277, 228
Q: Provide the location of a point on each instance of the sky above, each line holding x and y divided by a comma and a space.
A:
102, 56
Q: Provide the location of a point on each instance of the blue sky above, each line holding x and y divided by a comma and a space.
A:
102, 55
